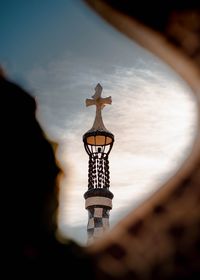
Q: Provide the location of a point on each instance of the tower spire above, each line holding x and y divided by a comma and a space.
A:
100, 104
98, 142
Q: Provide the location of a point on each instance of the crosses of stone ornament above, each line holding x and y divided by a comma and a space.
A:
97, 99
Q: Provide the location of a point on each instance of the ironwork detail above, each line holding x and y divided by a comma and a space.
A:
98, 171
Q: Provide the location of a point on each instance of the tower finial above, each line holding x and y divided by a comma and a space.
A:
100, 104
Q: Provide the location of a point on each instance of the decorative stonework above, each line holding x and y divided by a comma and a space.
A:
100, 104
98, 200
98, 142
98, 223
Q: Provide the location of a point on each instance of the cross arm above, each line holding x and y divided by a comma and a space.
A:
90, 102
106, 100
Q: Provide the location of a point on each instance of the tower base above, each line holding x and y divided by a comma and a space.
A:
98, 203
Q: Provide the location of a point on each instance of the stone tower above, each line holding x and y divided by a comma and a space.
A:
98, 142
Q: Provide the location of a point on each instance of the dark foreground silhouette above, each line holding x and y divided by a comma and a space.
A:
29, 196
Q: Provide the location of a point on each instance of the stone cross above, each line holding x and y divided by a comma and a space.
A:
100, 104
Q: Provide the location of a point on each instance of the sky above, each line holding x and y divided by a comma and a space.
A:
58, 51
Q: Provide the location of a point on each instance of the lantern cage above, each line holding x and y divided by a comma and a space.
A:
98, 145
98, 142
